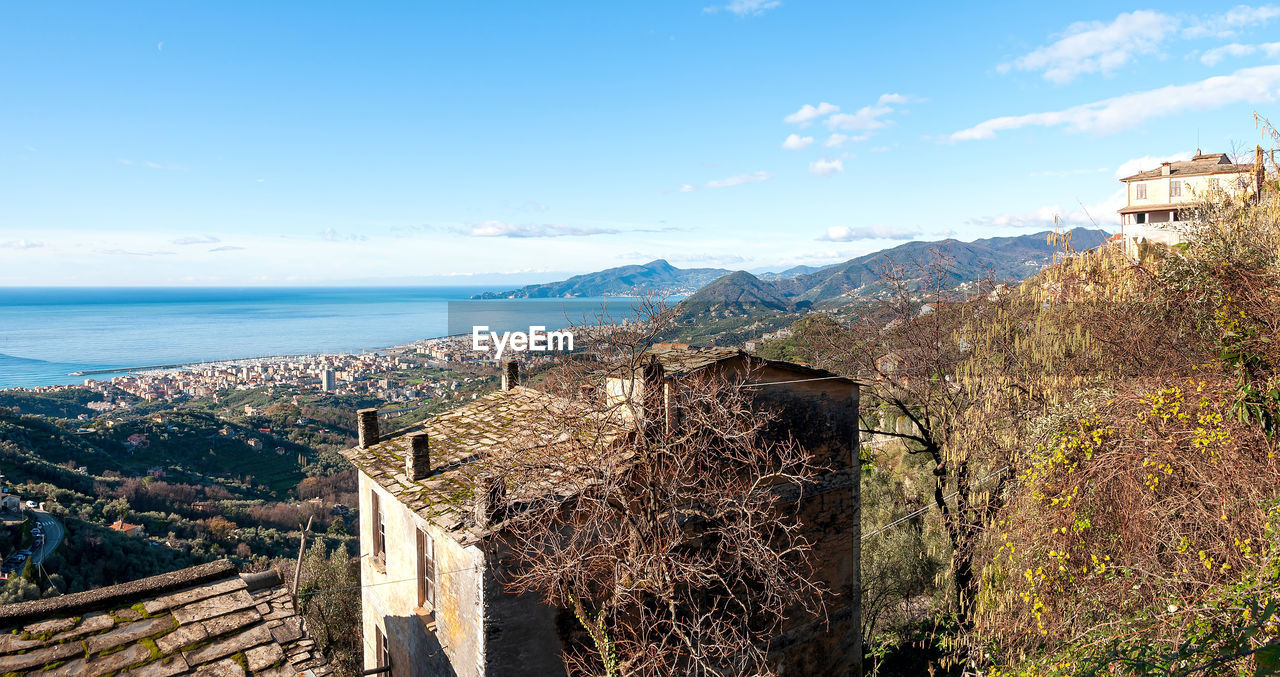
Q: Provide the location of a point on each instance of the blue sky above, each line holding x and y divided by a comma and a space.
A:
475, 143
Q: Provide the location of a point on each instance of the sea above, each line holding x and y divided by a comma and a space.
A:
48, 333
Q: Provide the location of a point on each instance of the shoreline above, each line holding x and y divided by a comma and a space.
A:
236, 360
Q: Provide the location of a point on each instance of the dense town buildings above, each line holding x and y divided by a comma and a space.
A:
393, 375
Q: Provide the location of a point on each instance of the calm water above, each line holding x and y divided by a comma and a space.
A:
47, 332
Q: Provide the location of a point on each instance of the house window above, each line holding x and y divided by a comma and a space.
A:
379, 531
1175, 189
1140, 193
1142, 217
426, 571
382, 650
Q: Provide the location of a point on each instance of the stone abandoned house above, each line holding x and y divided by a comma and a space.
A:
206, 619
431, 593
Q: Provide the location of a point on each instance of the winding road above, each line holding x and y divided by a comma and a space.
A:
53, 533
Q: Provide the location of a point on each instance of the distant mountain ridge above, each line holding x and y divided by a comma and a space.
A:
791, 272
658, 277
1015, 257
1003, 258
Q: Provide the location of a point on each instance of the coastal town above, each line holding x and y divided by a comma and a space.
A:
403, 373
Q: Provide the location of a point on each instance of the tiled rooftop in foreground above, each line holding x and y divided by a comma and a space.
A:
206, 619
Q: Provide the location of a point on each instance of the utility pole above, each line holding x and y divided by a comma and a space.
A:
302, 549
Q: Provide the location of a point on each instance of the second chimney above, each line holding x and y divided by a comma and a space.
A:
510, 374
367, 427
417, 459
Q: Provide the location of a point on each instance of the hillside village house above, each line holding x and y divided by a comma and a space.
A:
1158, 199
126, 528
432, 602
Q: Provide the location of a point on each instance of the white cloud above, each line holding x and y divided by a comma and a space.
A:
744, 7
227, 248
21, 244
686, 188
1214, 56
863, 119
1252, 85
877, 232
1103, 47
1094, 46
1225, 25
867, 117
738, 180
160, 46
512, 230
837, 140
196, 239
808, 114
826, 167
170, 168
1099, 214
796, 142
331, 235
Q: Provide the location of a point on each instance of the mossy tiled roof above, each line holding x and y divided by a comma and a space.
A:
202, 620
463, 445
680, 358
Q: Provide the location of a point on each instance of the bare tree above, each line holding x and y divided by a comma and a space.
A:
661, 512
945, 375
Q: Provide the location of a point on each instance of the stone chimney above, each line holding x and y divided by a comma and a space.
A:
417, 459
1166, 168
655, 397
510, 374
367, 425
491, 501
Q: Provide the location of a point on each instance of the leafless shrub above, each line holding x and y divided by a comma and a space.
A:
660, 513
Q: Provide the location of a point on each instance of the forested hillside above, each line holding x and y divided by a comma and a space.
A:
1080, 474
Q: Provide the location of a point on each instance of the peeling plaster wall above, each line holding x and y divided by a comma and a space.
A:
475, 628
446, 640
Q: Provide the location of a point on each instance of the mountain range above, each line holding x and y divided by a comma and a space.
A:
657, 277
1013, 257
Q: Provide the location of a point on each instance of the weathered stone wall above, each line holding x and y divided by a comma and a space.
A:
521, 632
822, 416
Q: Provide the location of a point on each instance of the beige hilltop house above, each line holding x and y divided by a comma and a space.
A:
1158, 200
430, 572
